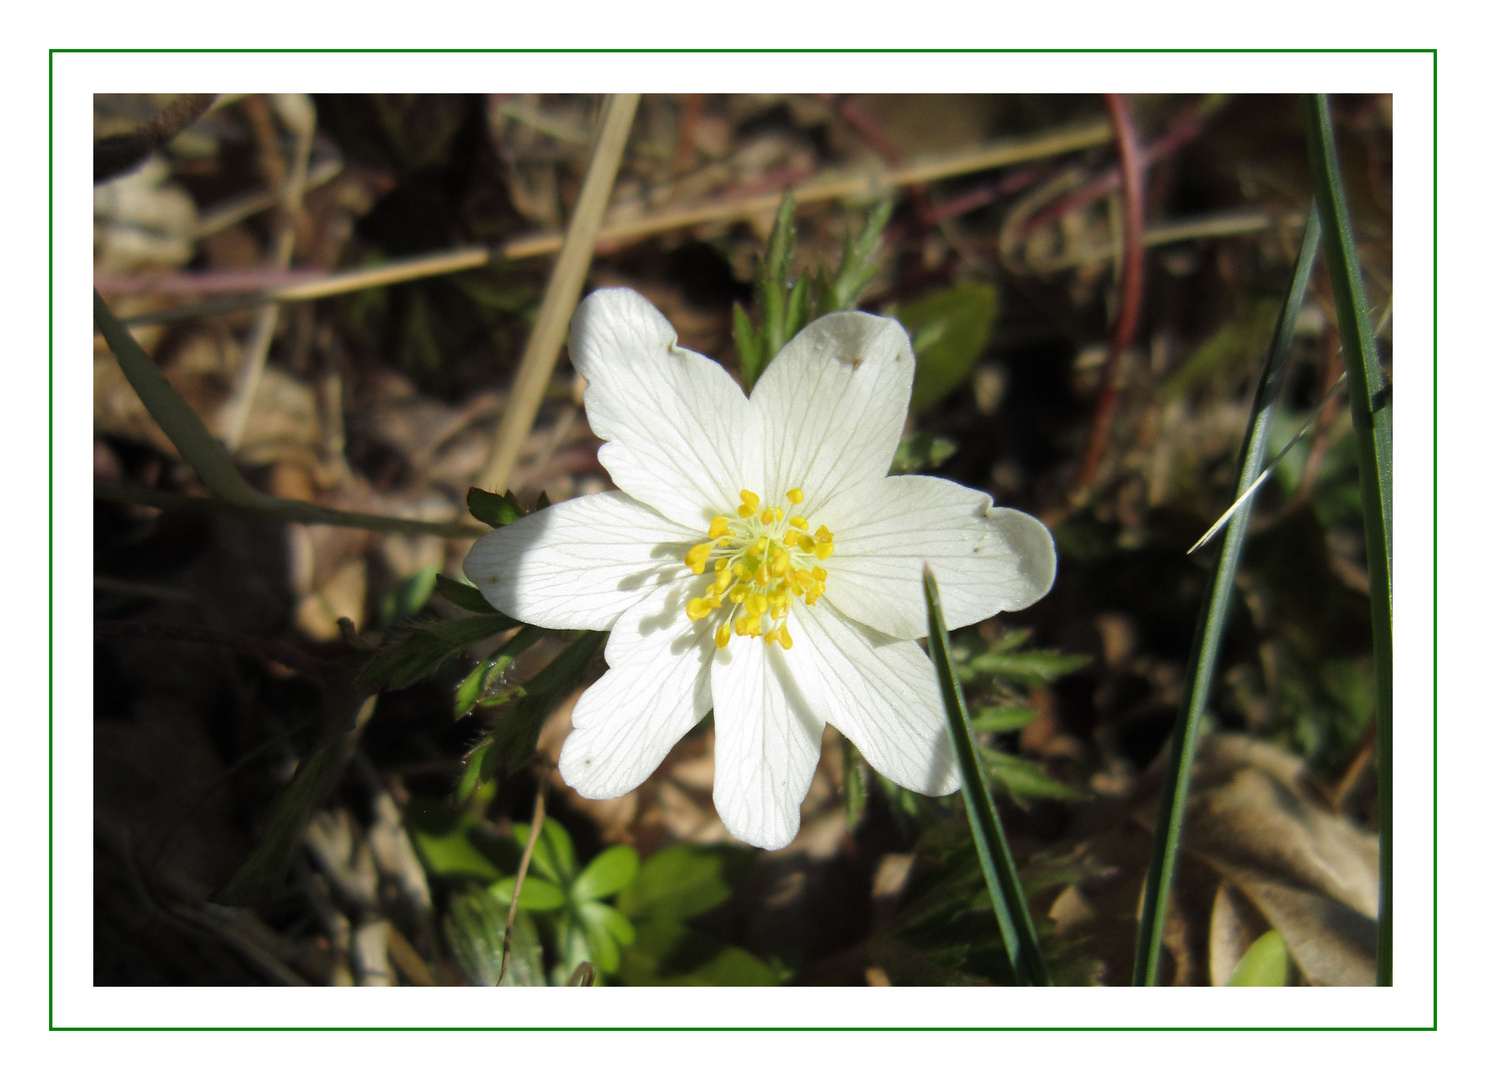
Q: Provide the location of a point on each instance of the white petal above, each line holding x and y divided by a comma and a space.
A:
655, 691
768, 743
578, 564
681, 436
881, 693
987, 559
832, 406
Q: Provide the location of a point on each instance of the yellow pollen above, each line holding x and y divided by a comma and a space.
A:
762, 559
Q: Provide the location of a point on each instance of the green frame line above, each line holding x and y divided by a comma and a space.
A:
51, 476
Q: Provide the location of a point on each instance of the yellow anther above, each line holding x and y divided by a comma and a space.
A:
724, 579
749, 504
771, 515
784, 638
780, 562
739, 592
698, 608
804, 543
760, 546
819, 574
824, 534
724, 633
696, 558
772, 636
777, 612
795, 495
719, 528
800, 523
761, 578
824, 549
754, 604
791, 538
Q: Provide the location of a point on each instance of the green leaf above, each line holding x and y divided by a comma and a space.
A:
858, 263
997, 719
452, 844
997, 866
463, 595
415, 652
473, 687
1022, 779
537, 894
475, 927
514, 737
1265, 963
950, 330
1372, 419
1023, 667
750, 345
668, 954
553, 854
611, 870
409, 597
494, 510
1207, 641
922, 451
606, 930
678, 882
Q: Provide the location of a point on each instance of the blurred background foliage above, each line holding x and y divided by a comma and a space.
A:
384, 400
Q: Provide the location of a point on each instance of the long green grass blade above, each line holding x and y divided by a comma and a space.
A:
203, 453
1372, 418
996, 863
1214, 613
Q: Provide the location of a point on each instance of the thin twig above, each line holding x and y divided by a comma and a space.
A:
562, 292
291, 194
866, 184
1133, 272
538, 816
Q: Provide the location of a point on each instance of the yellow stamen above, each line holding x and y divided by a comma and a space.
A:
696, 558
795, 495
791, 538
784, 638
799, 523
749, 504
824, 549
719, 528
698, 608
819, 574
805, 544
724, 633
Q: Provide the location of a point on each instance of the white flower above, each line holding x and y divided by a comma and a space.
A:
757, 561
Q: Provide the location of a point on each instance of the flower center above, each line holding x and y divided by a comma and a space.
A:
764, 560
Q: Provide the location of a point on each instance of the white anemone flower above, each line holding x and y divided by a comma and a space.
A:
758, 561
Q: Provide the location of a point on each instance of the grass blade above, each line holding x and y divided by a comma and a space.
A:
200, 449
990, 840
1372, 418
1214, 613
